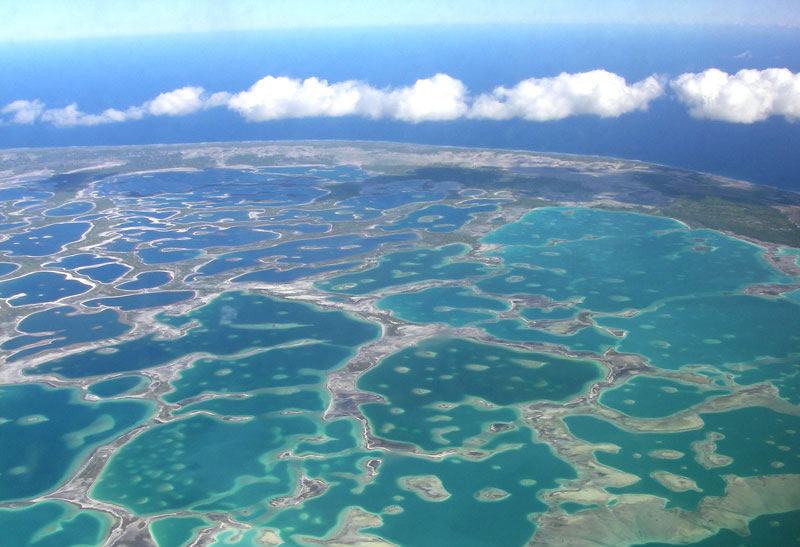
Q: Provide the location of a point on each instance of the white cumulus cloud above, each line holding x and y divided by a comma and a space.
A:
273, 98
70, 116
179, 102
24, 112
745, 97
598, 93
440, 97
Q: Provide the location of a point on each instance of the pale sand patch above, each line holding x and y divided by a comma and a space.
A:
427, 487
637, 519
665, 454
676, 483
491, 494
348, 532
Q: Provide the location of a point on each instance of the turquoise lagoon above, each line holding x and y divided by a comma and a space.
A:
396, 363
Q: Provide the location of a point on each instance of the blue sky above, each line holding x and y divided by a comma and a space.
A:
56, 19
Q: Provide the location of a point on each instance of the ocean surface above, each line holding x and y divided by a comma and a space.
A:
118, 73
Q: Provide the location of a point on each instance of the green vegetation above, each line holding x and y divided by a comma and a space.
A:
749, 219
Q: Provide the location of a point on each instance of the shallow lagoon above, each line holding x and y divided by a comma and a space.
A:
53, 524
406, 267
44, 241
146, 280
141, 301
451, 370
478, 379
616, 261
757, 441
711, 330
439, 218
301, 252
177, 465
60, 327
455, 306
648, 397
45, 432
38, 287
232, 323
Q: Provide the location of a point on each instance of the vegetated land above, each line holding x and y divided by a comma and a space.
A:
749, 219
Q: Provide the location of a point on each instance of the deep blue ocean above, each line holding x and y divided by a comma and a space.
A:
120, 72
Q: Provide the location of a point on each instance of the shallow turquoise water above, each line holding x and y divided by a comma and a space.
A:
616, 261
753, 438
452, 369
460, 519
243, 421
417, 380
177, 465
338, 436
406, 267
432, 429
229, 324
292, 366
242, 538
783, 374
53, 524
176, 531
259, 404
456, 306
585, 339
646, 397
45, 432
117, 386
711, 330
535, 313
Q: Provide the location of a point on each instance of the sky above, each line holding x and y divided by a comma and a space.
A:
25, 20
711, 85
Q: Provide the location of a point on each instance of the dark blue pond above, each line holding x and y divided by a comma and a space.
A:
147, 280
40, 287
141, 301
105, 273
305, 251
61, 327
44, 241
79, 261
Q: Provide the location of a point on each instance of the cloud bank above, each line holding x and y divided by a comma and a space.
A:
745, 97
432, 99
597, 93
24, 112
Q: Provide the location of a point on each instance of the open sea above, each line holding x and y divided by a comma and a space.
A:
121, 72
